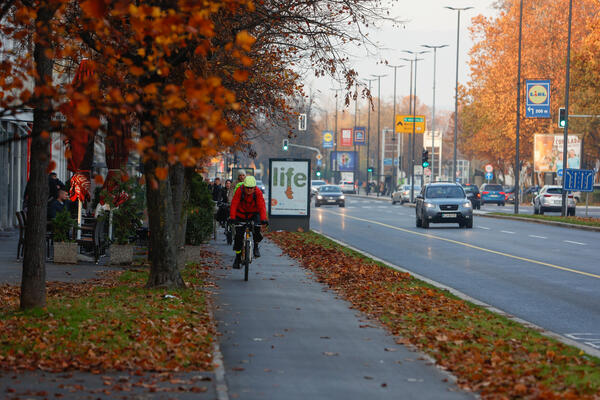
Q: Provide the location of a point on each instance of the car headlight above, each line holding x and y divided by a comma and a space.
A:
342, 197
467, 204
319, 197
429, 205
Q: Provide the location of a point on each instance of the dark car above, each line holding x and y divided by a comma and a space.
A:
509, 194
472, 192
443, 203
492, 193
330, 194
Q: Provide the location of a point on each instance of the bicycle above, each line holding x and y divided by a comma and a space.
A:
221, 217
247, 254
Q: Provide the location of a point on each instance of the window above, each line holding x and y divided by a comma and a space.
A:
493, 188
445, 192
329, 189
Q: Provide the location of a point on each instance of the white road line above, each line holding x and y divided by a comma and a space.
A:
483, 227
538, 237
366, 207
381, 206
570, 241
512, 233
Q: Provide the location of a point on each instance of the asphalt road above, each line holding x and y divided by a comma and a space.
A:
593, 211
547, 275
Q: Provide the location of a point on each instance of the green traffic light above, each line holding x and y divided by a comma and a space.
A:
425, 164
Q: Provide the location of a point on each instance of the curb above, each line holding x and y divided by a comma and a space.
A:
217, 360
543, 222
587, 349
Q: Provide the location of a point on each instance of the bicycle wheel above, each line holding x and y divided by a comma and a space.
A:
247, 258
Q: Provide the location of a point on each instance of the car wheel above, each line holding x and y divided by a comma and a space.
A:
535, 210
541, 211
393, 202
342, 205
418, 222
482, 203
425, 223
317, 204
571, 212
402, 202
469, 223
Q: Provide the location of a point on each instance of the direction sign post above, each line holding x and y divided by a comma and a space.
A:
537, 95
579, 180
489, 176
404, 123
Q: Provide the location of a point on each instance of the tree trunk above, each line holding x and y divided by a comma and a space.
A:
163, 251
33, 280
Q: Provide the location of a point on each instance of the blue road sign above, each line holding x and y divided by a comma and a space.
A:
537, 95
581, 180
319, 163
489, 176
559, 172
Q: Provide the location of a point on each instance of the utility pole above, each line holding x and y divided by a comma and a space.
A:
433, 110
379, 160
456, 88
354, 139
517, 161
566, 132
394, 168
369, 131
335, 137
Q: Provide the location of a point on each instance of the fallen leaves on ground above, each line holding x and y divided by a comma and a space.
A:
113, 323
488, 353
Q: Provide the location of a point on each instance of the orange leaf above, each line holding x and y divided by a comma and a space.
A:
245, 40
99, 180
240, 75
94, 8
83, 107
161, 173
51, 166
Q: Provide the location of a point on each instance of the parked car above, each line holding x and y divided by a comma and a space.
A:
509, 194
443, 203
550, 199
492, 193
347, 187
330, 194
261, 186
314, 186
472, 192
402, 194
531, 189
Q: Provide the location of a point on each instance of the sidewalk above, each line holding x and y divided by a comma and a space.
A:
372, 197
285, 336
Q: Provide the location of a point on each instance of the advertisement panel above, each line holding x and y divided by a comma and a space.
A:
346, 137
548, 152
537, 99
289, 187
360, 136
346, 160
328, 139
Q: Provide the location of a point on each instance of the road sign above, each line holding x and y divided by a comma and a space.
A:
404, 123
537, 95
581, 180
319, 156
489, 168
319, 162
559, 172
418, 170
489, 176
302, 122
427, 171
327, 139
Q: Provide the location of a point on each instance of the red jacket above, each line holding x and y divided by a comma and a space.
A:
244, 206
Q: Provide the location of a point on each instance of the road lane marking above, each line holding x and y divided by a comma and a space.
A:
509, 232
538, 237
483, 227
472, 246
570, 241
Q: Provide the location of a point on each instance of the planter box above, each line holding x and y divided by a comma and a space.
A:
121, 254
65, 253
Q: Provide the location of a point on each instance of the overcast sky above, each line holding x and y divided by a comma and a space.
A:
428, 22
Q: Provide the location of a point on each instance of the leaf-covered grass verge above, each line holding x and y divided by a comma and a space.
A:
487, 352
112, 323
555, 218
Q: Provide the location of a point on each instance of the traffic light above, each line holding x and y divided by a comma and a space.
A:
562, 117
370, 169
285, 144
318, 172
425, 159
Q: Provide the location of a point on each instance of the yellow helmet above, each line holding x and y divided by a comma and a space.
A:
250, 181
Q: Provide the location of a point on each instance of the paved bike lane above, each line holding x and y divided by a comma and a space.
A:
285, 336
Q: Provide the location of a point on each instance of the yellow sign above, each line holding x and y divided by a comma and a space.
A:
404, 123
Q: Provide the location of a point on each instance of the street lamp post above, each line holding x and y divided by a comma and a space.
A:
456, 87
433, 110
414, 110
335, 162
369, 131
379, 160
394, 168
409, 111
566, 132
517, 161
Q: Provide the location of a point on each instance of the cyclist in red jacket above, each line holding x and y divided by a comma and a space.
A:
248, 204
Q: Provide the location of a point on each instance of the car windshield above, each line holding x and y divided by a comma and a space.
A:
417, 188
470, 189
554, 191
445, 192
329, 189
493, 188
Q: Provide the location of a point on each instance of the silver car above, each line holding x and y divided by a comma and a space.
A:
550, 199
402, 195
443, 203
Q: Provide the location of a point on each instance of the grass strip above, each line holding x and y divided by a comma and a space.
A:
569, 220
488, 353
112, 323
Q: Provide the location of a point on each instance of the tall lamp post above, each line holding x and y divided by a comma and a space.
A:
414, 110
369, 131
456, 87
335, 136
394, 168
433, 110
566, 133
379, 160
410, 60
517, 136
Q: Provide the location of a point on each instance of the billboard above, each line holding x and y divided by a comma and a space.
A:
346, 160
548, 152
346, 137
360, 136
328, 139
289, 187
